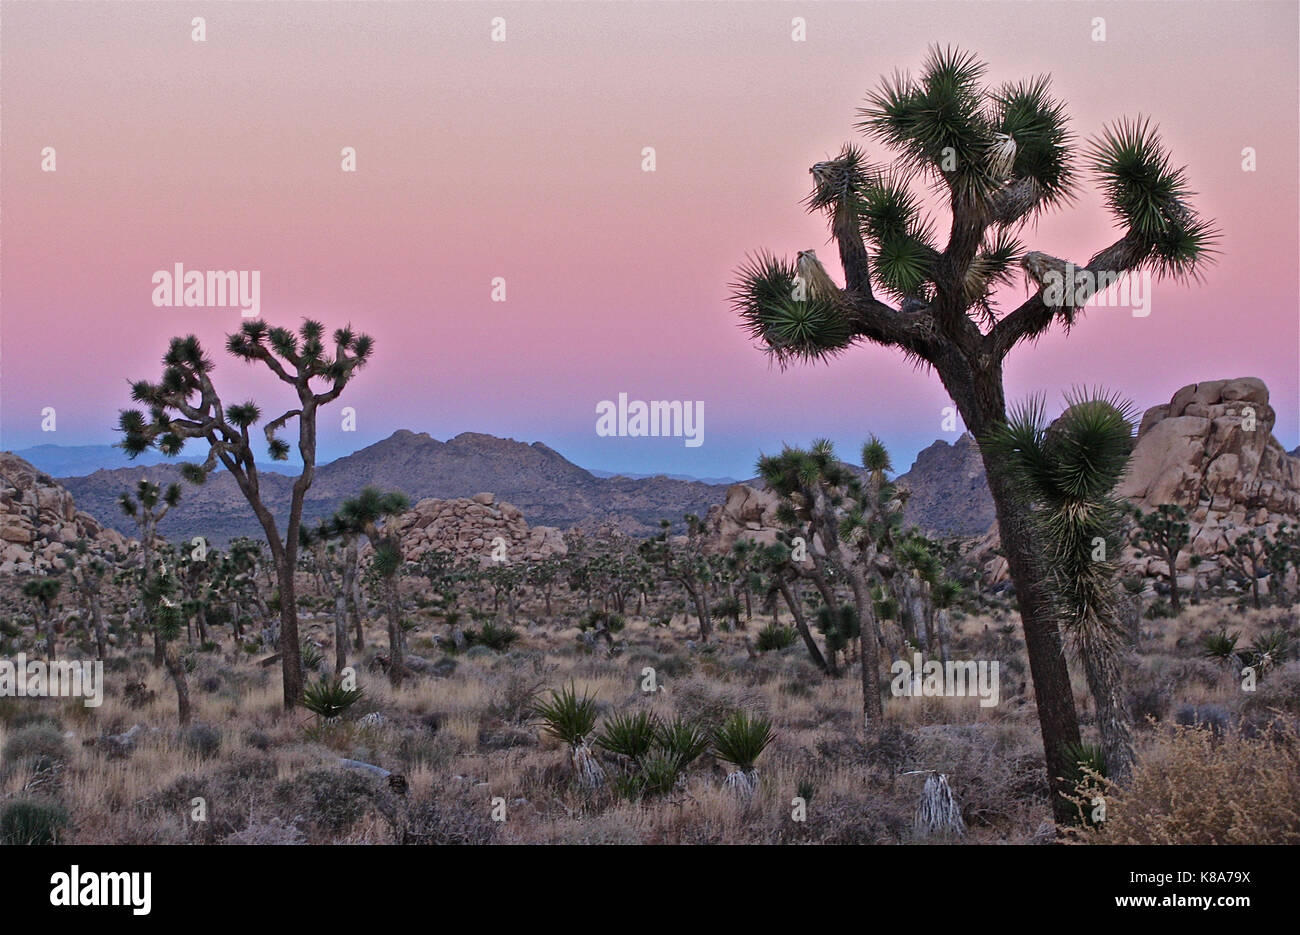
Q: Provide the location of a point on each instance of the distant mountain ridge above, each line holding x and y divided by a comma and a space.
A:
547, 487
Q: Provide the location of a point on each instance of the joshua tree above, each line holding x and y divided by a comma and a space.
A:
1283, 553
782, 578
1247, 556
372, 514
1066, 473
167, 617
185, 404
848, 525
43, 592
148, 508
88, 572
1000, 157
684, 561
1163, 533
324, 555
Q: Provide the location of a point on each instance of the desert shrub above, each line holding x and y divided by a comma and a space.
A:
1192, 787
441, 819
202, 739
1159, 610
775, 637
1212, 717
513, 701
30, 821
1279, 690
492, 635
334, 799
259, 740
709, 703
41, 742
271, 831
1149, 698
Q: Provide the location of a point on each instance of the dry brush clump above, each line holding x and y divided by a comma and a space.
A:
1199, 786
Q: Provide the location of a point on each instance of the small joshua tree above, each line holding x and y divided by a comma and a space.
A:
686, 563
88, 573
372, 513
148, 508
1247, 557
43, 592
185, 404
1163, 532
1067, 472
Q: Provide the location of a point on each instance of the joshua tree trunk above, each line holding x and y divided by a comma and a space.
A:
1057, 717
97, 616
176, 669
47, 623
1175, 599
943, 634
1113, 720
396, 637
801, 624
700, 598
869, 654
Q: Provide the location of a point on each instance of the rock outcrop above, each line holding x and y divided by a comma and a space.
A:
467, 527
39, 520
947, 493
1211, 450
749, 512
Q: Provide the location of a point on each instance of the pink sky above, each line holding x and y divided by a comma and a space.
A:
522, 159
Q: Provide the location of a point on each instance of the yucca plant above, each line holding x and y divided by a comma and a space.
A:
629, 735
775, 637
1267, 651
998, 156
328, 699
684, 740
740, 740
571, 719
1221, 646
937, 813
311, 656
660, 770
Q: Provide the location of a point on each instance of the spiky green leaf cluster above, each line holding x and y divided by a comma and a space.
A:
778, 312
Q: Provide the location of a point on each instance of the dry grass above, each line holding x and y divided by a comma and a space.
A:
465, 746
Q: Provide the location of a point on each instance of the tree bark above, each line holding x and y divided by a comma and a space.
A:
1057, 717
801, 624
176, 669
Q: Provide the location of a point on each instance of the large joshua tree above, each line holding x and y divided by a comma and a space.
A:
998, 158
185, 404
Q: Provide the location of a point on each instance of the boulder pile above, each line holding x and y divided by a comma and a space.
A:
468, 528
39, 521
